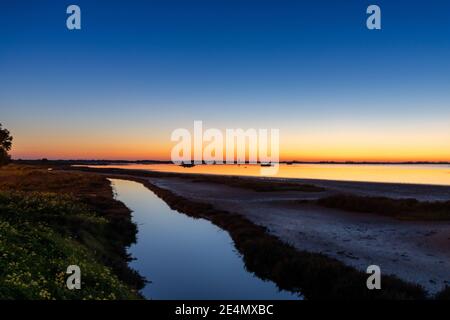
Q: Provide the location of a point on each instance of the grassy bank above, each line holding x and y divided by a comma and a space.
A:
50, 220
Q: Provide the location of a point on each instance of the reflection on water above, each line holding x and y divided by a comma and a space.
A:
421, 174
186, 258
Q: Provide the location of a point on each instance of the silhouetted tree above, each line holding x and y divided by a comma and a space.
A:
5, 145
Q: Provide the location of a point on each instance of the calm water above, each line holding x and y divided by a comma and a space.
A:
186, 258
421, 174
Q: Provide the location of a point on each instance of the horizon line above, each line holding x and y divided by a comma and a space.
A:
234, 163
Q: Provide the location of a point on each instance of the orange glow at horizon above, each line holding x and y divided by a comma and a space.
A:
311, 144
157, 151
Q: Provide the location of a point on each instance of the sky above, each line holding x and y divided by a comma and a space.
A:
137, 70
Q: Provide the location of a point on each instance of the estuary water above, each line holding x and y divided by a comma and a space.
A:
391, 173
187, 258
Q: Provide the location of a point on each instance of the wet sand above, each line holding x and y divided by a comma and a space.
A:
415, 251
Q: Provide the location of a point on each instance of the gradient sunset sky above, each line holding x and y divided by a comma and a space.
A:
140, 69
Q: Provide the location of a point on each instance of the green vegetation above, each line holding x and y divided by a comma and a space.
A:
5, 145
50, 220
37, 243
405, 209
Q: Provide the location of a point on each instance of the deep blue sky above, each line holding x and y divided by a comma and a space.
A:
148, 67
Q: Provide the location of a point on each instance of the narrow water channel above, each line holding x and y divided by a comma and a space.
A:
187, 258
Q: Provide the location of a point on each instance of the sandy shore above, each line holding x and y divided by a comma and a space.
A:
417, 252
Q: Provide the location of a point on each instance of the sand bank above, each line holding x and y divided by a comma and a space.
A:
417, 252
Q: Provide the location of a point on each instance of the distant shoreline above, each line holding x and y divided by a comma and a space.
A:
104, 162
